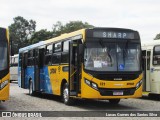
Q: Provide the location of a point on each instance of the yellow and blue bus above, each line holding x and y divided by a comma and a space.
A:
4, 64
97, 63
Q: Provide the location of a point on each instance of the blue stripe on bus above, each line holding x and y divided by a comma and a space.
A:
47, 85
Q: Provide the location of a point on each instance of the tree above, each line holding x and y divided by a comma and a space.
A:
41, 35
20, 32
157, 37
59, 28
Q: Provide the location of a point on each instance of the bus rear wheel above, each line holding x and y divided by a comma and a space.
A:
65, 95
114, 101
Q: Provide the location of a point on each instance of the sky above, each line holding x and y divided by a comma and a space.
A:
140, 15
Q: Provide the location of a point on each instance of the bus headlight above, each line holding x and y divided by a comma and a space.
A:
87, 82
91, 84
94, 86
3, 84
138, 84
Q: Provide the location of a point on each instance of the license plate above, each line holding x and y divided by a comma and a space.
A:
118, 93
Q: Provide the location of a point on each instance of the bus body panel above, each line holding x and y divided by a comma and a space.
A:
29, 75
94, 94
110, 86
4, 93
155, 79
47, 83
57, 73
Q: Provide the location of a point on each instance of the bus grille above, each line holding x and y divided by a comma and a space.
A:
113, 77
109, 92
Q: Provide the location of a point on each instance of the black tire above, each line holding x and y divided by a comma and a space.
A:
65, 95
31, 88
114, 101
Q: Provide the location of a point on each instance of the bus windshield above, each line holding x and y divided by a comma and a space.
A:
105, 56
3, 56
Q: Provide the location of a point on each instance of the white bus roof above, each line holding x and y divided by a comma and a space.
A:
32, 46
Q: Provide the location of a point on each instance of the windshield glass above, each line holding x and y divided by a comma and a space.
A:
3, 56
104, 56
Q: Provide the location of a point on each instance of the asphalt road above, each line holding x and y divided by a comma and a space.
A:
21, 101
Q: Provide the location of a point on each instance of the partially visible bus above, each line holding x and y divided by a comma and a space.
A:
98, 63
14, 68
151, 68
4, 64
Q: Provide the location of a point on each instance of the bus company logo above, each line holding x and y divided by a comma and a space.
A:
52, 71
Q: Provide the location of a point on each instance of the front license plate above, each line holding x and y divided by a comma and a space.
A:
118, 93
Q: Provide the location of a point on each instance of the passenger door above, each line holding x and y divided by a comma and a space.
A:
23, 69
36, 70
74, 68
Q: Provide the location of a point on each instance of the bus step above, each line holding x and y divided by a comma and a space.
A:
73, 93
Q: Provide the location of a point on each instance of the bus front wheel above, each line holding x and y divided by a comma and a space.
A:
114, 101
66, 98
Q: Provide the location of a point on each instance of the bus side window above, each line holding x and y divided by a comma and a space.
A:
20, 60
30, 58
156, 55
56, 58
65, 57
57, 47
65, 53
66, 46
48, 55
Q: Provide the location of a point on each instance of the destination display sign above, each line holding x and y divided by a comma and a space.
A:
119, 35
